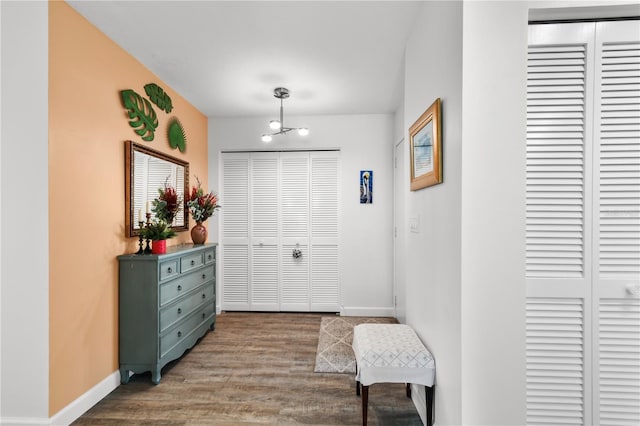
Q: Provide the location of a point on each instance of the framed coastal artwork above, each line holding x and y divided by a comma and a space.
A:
366, 186
425, 144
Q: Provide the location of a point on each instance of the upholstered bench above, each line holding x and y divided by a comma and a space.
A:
392, 353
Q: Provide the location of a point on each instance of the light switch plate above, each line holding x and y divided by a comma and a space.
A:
414, 224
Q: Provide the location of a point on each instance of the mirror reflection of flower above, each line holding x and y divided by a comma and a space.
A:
167, 205
202, 206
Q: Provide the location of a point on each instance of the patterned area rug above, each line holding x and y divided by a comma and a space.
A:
334, 354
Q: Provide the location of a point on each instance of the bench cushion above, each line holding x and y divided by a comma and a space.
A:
391, 353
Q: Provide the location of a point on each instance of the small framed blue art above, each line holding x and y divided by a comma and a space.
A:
366, 186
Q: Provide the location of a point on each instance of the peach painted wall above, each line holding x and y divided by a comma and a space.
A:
87, 130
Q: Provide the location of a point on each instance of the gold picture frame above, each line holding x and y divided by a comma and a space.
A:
425, 142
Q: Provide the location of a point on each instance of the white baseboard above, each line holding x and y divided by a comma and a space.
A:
23, 421
352, 311
87, 400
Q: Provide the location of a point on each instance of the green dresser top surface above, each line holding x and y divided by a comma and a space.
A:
178, 250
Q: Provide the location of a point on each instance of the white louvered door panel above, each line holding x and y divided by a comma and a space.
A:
294, 282
264, 277
324, 196
555, 361
617, 224
294, 194
558, 224
235, 277
618, 377
294, 225
264, 231
234, 253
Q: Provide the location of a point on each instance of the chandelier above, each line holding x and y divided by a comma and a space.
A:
282, 93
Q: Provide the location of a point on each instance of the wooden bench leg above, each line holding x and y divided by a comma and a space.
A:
365, 403
408, 390
429, 396
357, 382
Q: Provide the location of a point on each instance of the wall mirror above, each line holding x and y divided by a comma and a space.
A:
147, 170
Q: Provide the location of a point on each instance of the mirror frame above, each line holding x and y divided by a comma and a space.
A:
129, 167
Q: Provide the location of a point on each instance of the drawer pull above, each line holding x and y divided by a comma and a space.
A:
204, 276
179, 311
210, 257
204, 296
204, 315
193, 262
179, 287
169, 270
179, 333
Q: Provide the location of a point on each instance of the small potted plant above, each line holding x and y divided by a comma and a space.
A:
202, 206
158, 232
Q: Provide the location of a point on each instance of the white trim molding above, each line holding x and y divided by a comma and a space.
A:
356, 311
83, 403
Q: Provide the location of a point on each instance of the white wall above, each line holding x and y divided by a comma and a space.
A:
493, 213
365, 143
433, 63
25, 264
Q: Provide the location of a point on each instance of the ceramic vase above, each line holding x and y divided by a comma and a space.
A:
199, 233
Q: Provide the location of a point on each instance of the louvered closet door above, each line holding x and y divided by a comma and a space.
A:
275, 204
234, 253
294, 225
324, 232
583, 326
617, 224
558, 227
263, 224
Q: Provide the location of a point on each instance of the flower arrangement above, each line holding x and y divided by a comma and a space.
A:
166, 206
157, 230
201, 205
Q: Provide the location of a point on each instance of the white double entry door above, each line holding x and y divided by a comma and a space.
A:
279, 231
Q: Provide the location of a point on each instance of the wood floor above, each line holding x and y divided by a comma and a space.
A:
255, 368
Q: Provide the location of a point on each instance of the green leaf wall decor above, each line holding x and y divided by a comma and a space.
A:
177, 138
158, 97
143, 117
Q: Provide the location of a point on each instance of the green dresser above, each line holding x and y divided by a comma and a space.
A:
167, 302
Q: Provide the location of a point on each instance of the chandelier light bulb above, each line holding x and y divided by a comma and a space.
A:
275, 124
266, 138
303, 131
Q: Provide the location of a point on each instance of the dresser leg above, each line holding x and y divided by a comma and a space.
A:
365, 403
155, 376
124, 376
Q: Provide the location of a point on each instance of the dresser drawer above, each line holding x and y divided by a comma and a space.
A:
190, 262
209, 256
169, 269
183, 307
183, 328
182, 285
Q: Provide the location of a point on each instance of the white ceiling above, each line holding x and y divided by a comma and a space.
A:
226, 57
